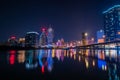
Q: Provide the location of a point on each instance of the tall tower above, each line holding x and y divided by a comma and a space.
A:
84, 39
50, 36
112, 23
43, 37
31, 39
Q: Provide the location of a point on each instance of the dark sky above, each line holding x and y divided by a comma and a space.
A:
69, 17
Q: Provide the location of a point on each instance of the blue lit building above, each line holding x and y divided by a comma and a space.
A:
31, 39
100, 36
50, 36
112, 23
43, 38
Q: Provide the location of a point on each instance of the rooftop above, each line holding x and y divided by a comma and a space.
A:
115, 6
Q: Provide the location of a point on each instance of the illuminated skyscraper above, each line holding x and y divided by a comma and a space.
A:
13, 41
43, 38
31, 39
112, 23
84, 39
50, 36
100, 36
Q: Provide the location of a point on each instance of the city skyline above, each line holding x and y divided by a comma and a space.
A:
67, 17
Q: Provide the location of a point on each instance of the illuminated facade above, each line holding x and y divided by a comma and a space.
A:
13, 41
31, 39
100, 36
43, 38
112, 23
84, 39
21, 42
50, 36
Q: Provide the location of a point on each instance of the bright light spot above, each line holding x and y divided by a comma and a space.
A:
86, 34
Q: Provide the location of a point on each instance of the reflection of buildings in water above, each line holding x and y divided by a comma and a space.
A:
112, 72
101, 54
53, 53
45, 61
79, 58
102, 64
86, 63
62, 55
65, 53
49, 60
11, 57
84, 52
58, 53
31, 59
93, 63
112, 54
21, 56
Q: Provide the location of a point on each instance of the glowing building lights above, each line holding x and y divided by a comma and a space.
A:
111, 23
115, 6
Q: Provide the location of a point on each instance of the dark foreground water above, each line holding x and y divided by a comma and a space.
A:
55, 65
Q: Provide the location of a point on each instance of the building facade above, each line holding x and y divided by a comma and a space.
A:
43, 38
31, 39
112, 23
50, 36
84, 38
100, 36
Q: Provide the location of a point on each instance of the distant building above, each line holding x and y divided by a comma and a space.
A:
21, 42
43, 38
100, 36
112, 23
84, 39
13, 41
50, 36
31, 39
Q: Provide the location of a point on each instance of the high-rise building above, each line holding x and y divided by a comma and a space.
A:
84, 39
112, 23
13, 41
50, 36
43, 38
21, 42
100, 36
31, 39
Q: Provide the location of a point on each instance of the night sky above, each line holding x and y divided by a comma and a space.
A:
69, 17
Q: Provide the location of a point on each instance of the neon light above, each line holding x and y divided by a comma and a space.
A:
115, 6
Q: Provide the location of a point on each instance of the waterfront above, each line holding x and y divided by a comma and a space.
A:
56, 65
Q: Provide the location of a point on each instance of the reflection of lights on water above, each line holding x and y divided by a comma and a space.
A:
67, 54
74, 57
31, 66
43, 69
79, 58
21, 56
86, 63
71, 55
93, 63
12, 59
104, 67
53, 53
64, 53
79, 52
